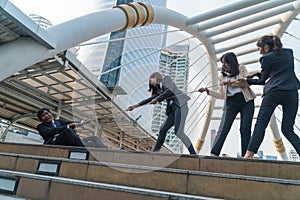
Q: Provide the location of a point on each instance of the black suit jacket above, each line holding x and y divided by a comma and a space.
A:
169, 92
47, 130
277, 72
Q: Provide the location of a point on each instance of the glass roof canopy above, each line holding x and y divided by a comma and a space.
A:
59, 84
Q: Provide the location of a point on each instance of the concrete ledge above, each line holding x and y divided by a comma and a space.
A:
251, 167
248, 167
219, 185
44, 187
29, 149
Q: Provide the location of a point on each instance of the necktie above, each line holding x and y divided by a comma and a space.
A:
53, 123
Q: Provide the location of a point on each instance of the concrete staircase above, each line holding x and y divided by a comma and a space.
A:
145, 174
34, 186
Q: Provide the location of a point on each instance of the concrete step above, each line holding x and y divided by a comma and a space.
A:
33, 186
239, 166
190, 182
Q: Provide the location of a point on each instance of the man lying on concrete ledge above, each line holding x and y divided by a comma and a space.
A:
61, 132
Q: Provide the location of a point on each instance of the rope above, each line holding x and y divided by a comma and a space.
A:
190, 92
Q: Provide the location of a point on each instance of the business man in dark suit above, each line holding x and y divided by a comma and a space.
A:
57, 132
163, 88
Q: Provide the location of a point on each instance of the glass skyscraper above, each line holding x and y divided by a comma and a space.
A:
92, 53
135, 52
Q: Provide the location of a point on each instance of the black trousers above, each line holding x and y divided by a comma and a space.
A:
176, 117
289, 102
68, 138
234, 105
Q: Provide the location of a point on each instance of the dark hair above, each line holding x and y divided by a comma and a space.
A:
41, 111
272, 41
231, 59
153, 89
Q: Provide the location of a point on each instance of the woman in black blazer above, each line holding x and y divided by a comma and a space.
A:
281, 88
163, 88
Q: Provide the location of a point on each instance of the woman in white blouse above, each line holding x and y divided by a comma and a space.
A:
239, 98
